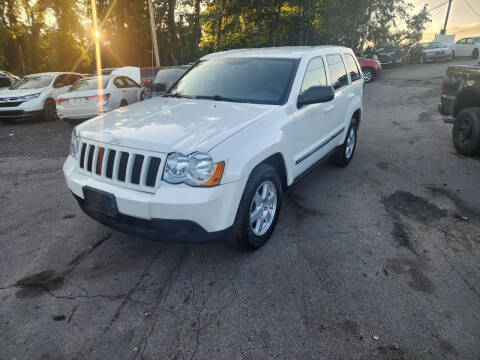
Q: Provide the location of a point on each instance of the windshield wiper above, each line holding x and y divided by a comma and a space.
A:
177, 95
219, 98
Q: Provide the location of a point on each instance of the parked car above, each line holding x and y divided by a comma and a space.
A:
467, 47
389, 54
84, 100
461, 100
34, 96
7, 80
167, 77
370, 68
148, 75
170, 168
429, 52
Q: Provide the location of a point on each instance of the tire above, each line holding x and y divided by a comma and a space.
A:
49, 110
344, 154
123, 103
368, 74
466, 131
249, 235
475, 54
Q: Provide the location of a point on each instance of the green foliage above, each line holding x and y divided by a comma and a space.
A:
54, 35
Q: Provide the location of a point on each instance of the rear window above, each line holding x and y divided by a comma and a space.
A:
90, 83
355, 73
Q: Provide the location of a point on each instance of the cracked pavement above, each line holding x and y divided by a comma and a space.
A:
379, 260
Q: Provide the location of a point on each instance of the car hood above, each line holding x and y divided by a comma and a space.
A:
20, 92
168, 124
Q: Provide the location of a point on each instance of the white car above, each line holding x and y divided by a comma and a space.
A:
34, 96
214, 154
467, 47
7, 80
84, 100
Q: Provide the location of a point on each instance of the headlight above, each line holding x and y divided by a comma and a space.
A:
31, 97
74, 143
197, 169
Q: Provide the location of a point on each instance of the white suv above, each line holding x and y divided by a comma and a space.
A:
215, 153
34, 96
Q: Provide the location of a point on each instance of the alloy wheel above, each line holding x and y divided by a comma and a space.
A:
263, 208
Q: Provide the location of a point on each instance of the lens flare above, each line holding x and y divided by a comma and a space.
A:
98, 59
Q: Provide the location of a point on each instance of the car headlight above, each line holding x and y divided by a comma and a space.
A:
31, 97
197, 169
74, 144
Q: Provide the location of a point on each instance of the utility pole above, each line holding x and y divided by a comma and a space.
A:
154, 32
444, 30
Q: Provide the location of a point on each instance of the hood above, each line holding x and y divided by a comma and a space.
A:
20, 92
168, 124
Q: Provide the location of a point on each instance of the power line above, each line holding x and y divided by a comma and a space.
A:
471, 8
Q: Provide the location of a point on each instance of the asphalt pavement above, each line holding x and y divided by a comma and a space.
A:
379, 260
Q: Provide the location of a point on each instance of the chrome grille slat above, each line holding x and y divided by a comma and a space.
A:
135, 169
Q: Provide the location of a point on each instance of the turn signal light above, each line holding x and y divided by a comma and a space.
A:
217, 175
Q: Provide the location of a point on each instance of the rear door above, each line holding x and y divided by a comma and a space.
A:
133, 90
354, 92
460, 48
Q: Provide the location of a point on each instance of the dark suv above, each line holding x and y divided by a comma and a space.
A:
389, 54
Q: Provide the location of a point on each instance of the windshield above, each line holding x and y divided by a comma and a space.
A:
169, 75
385, 47
249, 80
148, 73
90, 83
33, 82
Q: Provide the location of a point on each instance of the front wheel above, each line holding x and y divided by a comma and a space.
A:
50, 110
344, 153
259, 207
466, 131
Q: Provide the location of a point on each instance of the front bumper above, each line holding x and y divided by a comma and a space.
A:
177, 213
19, 114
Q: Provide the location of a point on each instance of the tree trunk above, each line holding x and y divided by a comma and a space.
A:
219, 29
198, 30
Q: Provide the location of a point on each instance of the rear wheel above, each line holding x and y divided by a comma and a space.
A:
368, 74
466, 131
123, 103
344, 154
259, 207
49, 110
475, 54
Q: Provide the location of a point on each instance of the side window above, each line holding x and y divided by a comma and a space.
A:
355, 73
118, 82
61, 81
130, 82
314, 75
75, 78
338, 72
469, 41
461, 41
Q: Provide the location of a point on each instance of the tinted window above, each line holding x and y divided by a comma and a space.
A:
119, 83
4, 82
129, 82
148, 73
314, 75
34, 82
90, 83
241, 79
355, 73
338, 72
169, 75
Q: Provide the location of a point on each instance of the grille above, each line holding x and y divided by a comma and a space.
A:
134, 169
10, 104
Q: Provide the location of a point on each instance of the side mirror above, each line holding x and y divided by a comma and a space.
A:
316, 95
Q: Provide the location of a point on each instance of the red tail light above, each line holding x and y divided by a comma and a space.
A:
98, 97
59, 101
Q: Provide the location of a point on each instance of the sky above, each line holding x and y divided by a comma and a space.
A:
463, 21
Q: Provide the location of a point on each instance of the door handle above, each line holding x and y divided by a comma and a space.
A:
328, 108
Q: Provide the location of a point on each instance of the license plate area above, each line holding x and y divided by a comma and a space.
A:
100, 201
